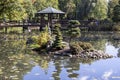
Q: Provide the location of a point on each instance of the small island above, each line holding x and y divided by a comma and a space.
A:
52, 43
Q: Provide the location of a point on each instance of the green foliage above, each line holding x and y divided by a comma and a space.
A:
75, 48
35, 39
116, 13
99, 10
67, 6
74, 9
58, 38
111, 5
12, 10
85, 45
78, 47
29, 8
41, 4
73, 30
43, 38
74, 22
116, 27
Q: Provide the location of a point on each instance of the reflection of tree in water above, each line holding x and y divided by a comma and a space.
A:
43, 61
14, 68
99, 44
99, 39
15, 60
118, 53
73, 64
115, 43
57, 63
70, 64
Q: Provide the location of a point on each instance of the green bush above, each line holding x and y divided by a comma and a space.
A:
78, 47
85, 45
75, 48
41, 40
74, 22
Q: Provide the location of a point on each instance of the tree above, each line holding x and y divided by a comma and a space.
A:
41, 4
73, 30
68, 6
58, 38
111, 5
12, 10
116, 13
84, 8
29, 8
100, 10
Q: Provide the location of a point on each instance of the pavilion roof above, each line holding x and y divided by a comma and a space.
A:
50, 10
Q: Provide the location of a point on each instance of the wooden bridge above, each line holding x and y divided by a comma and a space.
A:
30, 24
19, 24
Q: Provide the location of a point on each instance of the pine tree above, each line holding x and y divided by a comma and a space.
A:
73, 29
58, 38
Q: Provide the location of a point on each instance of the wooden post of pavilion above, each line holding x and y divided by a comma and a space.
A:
50, 11
42, 22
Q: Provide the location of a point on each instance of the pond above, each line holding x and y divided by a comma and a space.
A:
18, 62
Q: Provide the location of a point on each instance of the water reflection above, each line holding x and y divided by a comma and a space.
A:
36, 74
111, 49
17, 62
60, 68
118, 53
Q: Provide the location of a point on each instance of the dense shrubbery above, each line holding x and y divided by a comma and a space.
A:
46, 41
42, 39
78, 47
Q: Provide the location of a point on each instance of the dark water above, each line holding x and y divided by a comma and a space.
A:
17, 62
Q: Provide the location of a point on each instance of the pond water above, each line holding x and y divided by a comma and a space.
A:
18, 62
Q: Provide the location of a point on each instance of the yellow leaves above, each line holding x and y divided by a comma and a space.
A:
21, 1
43, 38
1, 72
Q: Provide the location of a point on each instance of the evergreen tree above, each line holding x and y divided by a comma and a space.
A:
116, 13
73, 29
111, 5
58, 38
